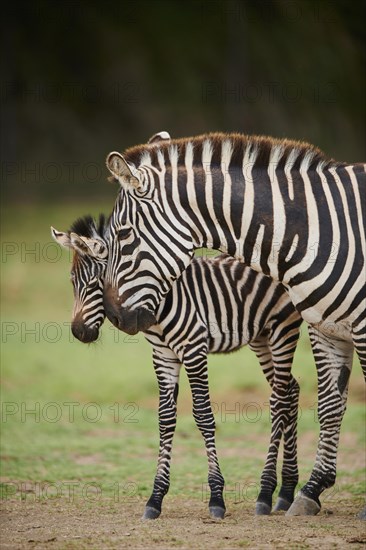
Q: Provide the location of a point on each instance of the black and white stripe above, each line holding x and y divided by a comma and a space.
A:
279, 206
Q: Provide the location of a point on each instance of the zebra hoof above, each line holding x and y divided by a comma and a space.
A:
262, 509
216, 512
281, 504
303, 506
151, 513
362, 514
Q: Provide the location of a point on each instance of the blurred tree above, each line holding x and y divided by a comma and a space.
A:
81, 78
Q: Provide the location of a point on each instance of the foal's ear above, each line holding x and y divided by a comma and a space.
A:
62, 238
160, 136
88, 246
97, 248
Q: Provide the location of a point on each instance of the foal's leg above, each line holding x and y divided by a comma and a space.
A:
290, 472
167, 368
196, 367
276, 362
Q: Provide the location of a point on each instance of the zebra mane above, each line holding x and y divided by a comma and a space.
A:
88, 227
265, 146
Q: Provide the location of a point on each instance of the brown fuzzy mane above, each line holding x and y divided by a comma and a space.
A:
239, 143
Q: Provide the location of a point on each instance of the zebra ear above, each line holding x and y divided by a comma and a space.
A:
98, 248
119, 168
61, 238
89, 247
78, 243
160, 136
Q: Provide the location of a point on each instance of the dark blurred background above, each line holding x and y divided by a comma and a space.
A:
82, 78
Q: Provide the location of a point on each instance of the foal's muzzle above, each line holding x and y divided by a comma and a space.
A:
84, 333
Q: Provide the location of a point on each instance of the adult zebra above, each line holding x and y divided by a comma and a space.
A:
280, 207
239, 307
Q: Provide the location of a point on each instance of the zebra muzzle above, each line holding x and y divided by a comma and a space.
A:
83, 333
130, 321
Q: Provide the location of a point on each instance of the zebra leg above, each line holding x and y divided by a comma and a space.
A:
276, 362
333, 360
359, 341
269, 474
283, 342
167, 368
196, 367
290, 472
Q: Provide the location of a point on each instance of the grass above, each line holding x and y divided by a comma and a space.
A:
88, 414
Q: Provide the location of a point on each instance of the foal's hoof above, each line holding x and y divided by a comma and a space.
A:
281, 504
303, 506
151, 513
262, 509
362, 514
216, 512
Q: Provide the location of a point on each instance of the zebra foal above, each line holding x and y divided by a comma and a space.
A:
217, 306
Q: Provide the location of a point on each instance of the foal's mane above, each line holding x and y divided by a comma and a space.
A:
87, 226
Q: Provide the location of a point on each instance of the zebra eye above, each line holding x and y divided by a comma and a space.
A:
72, 276
124, 233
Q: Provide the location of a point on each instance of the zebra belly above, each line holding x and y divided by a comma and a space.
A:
314, 314
225, 342
337, 331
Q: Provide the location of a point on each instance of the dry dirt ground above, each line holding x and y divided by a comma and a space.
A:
59, 524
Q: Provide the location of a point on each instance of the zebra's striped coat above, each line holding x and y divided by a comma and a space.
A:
280, 207
217, 306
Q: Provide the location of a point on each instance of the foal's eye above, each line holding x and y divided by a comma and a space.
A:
72, 276
124, 233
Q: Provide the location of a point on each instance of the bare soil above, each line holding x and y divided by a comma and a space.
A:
60, 524
77, 523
